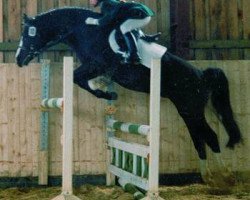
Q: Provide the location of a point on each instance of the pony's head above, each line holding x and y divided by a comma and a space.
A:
31, 42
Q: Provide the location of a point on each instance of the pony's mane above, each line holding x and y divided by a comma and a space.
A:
64, 15
62, 9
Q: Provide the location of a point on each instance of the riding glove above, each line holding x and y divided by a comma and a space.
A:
91, 21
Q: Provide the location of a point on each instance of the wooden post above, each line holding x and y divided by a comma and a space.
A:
110, 178
44, 121
1, 28
154, 136
67, 190
67, 124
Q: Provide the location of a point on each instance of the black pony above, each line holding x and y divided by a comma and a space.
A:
187, 87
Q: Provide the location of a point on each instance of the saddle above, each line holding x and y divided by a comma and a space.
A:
151, 38
147, 47
138, 35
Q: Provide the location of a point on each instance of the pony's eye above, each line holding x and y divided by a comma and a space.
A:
32, 31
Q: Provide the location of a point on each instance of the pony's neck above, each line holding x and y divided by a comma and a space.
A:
60, 22
54, 24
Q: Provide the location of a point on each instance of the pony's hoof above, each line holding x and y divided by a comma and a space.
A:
208, 179
223, 180
229, 178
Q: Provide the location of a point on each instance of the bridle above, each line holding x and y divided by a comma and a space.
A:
32, 51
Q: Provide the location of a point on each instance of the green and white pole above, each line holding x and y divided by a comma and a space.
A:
130, 188
52, 103
137, 129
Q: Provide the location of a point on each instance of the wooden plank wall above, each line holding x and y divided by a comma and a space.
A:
11, 12
219, 20
19, 119
19, 123
209, 20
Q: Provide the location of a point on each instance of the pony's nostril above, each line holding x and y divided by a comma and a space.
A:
19, 63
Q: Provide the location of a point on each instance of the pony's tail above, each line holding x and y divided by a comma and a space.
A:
218, 84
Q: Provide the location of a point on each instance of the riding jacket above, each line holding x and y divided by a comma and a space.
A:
116, 12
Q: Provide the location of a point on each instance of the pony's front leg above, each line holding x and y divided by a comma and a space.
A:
91, 82
101, 83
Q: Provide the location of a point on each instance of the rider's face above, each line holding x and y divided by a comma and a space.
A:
93, 2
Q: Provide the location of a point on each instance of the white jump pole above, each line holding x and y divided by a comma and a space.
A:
154, 123
67, 140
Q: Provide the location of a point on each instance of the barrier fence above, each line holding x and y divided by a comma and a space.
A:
136, 164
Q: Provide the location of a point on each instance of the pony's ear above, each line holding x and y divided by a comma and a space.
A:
26, 18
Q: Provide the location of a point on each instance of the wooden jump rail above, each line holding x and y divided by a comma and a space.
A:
137, 164
66, 104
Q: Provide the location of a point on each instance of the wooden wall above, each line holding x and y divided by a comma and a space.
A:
11, 12
205, 29
19, 123
219, 30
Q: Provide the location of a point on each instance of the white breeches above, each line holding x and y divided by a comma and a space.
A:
132, 24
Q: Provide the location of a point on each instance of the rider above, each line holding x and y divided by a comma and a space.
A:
129, 16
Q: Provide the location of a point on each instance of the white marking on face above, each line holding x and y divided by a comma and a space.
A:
19, 47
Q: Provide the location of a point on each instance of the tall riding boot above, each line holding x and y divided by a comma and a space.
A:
131, 43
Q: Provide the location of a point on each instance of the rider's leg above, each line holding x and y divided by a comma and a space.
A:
130, 40
133, 55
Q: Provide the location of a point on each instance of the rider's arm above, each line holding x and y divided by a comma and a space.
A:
109, 10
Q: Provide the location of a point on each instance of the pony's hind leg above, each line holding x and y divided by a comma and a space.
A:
221, 102
222, 175
195, 127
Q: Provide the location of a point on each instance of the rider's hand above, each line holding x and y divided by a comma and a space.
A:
91, 21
